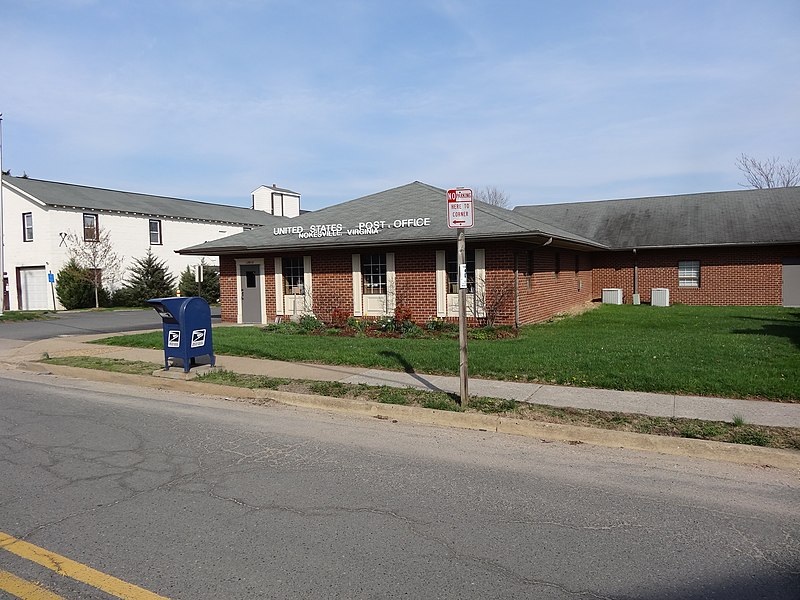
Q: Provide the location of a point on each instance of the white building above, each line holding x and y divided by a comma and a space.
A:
40, 216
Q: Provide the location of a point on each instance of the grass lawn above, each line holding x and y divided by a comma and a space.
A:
736, 432
737, 352
25, 315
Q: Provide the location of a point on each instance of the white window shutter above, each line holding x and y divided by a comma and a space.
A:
441, 284
357, 299
309, 298
278, 286
391, 295
480, 282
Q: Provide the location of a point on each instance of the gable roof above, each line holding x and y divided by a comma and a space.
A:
71, 196
412, 213
742, 217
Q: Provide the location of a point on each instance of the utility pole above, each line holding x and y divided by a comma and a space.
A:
2, 242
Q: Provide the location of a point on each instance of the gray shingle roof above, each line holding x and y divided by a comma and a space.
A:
742, 217
81, 197
394, 208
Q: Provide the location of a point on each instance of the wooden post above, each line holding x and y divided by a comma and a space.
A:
462, 317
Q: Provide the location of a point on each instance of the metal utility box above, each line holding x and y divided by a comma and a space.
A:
187, 329
612, 296
659, 297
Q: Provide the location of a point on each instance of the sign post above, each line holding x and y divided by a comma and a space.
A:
460, 216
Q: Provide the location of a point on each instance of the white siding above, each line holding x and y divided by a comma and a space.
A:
130, 236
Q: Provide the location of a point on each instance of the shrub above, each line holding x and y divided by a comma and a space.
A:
74, 286
403, 314
359, 325
340, 317
309, 323
149, 278
122, 297
208, 289
386, 324
435, 324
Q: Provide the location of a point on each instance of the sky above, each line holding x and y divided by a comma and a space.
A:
547, 101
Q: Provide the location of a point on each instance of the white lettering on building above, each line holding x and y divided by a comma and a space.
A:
337, 229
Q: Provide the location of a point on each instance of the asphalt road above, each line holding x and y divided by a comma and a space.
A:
84, 323
196, 497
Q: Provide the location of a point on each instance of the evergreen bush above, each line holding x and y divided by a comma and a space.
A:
208, 289
149, 278
74, 286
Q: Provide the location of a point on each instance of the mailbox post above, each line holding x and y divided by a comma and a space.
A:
187, 329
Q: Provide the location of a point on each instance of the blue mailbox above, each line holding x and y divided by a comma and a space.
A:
187, 329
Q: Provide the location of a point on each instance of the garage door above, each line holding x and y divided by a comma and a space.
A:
33, 288
791, 281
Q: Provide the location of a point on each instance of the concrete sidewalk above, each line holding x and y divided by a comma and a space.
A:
661, 405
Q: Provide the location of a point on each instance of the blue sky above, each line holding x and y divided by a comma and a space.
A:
548, 101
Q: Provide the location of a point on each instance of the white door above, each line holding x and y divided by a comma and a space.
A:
33, 288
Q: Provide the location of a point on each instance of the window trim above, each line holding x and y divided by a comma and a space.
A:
96, 219
26, 227
368, 285
689, 273
160, 241
296, 264
451, 267
447, 303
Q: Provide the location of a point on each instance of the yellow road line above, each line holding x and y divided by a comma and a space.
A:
24, 589
75, 570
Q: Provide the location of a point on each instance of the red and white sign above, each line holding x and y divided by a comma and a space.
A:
459, 208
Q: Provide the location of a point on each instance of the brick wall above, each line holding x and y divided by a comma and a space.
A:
415, 281
728, 276
551, 282
227, 289
546, 279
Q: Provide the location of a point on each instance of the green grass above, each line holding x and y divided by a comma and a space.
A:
115, 365
25, 315
737, 352
735, 432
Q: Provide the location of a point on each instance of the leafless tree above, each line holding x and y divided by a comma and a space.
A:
492, 305
769, 173
494, 196
98, 258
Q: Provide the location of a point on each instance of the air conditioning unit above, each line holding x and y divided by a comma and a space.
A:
659, 297
612, 296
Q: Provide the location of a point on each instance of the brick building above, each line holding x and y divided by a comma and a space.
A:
372, 255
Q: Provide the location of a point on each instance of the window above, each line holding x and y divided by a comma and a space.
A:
373, 272
452, 271
90, 231
155, 232
293, 275
27, 227
689, 273
557, 267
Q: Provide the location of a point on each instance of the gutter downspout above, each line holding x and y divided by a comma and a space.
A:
516, 290
636, 297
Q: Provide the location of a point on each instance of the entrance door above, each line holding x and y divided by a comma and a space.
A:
250, 282
791, 281
32, 285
